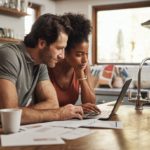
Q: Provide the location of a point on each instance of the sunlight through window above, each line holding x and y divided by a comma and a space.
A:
120, 36
29, 19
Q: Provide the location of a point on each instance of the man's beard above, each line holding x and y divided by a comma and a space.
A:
51, 64
46, 58
44, 55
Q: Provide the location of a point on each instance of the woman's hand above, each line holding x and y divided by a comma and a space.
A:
89, 107
81, 71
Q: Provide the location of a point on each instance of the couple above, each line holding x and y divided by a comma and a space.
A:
56, 48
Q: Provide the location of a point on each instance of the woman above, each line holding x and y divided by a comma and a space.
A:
74, 71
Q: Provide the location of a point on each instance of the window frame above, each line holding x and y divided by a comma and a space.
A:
95, 10
37, 12
36, 7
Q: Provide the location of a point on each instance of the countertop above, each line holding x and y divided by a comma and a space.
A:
116, 91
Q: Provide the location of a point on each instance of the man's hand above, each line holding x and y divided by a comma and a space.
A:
89, 107
70, 111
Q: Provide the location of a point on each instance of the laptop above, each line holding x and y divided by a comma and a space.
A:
107, 114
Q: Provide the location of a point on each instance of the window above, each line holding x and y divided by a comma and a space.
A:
33, 11
119, 36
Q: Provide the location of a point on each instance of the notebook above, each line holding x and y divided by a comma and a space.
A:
107, 114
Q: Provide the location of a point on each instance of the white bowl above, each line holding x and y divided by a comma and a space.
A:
145, 84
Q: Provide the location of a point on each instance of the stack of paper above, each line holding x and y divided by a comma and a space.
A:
52, 133
44, 136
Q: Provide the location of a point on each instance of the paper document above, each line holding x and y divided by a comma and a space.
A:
87, 123
52, 133
71, 123
65, 133
35, 126
77, 133
36, 135
44, 135
105, 124
29, 139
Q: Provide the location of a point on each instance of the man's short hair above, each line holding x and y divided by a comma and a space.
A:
48, 28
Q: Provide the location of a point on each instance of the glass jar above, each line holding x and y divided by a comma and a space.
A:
6, 3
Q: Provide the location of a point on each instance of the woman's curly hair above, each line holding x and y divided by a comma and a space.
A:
81, 28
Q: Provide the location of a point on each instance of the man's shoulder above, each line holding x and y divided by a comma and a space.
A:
9, 49
9, 46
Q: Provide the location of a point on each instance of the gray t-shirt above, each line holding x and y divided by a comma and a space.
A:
17, 66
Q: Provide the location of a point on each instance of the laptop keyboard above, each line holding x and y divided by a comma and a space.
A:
104, 114
95, 115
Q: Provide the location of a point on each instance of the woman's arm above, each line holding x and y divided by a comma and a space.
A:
87, 89
88, 97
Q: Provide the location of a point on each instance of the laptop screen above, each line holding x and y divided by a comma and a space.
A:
121, 96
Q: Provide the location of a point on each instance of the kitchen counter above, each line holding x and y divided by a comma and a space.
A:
115, 91
104, 95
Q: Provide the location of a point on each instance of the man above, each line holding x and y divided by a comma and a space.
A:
24, 79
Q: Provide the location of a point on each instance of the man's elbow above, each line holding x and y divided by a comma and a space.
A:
53, 105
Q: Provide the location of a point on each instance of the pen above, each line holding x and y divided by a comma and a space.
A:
116, 124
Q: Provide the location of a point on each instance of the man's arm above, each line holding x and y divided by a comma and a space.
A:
9, 99
45, 96
8, 94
